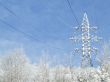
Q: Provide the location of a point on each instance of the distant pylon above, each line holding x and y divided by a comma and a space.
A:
86, 39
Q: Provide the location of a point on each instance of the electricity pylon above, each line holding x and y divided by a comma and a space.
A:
86, 38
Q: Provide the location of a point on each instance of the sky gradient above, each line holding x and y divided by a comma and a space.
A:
49, 23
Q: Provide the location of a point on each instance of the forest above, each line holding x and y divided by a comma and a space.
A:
16, 67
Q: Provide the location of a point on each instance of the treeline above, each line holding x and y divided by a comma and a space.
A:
16, 67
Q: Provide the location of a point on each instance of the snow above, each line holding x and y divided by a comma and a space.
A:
16, 67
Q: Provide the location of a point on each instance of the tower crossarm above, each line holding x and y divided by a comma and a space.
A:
94, 28
76, 38
95, 38
77, 50
87, 49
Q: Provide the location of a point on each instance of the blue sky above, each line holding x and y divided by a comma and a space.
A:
50, 22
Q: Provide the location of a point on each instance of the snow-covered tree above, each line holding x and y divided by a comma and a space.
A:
104, 61
42, 69
17, 68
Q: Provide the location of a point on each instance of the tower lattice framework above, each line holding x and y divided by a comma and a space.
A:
86, 38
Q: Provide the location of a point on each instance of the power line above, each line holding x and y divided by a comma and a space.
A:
7, 9
74, 15
15, 14
26, 34
20, 31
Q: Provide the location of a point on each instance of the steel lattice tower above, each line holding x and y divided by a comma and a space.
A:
85, 39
